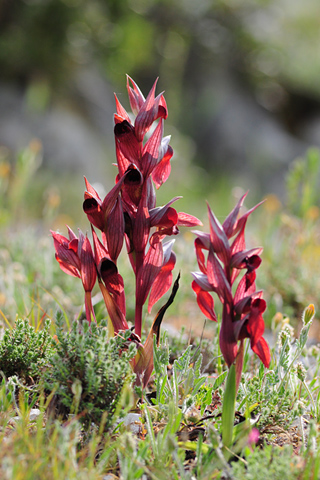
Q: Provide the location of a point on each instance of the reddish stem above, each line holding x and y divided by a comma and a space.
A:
138, 309
239, 364
89, 308
138, 320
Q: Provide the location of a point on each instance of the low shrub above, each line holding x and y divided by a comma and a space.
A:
89, 372
24, 351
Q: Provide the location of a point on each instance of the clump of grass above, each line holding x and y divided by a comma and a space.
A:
45, 452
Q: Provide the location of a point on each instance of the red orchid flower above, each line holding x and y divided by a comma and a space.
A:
129, 213
107, 216
242, 311
163, 280
148, 161
109, 275
75, 257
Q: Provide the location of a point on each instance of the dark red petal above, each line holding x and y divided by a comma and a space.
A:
242, 307
203, 282
127, 142
89, 307
74, 245
200, 255
261, 348
205, 301
186, 220
151, 150
141, 226
92, 192
121, 111
136, 97
71, 234
169, 219
162, 282
219, 239
148, 113
243, 220
132, 186
227, 340
114, 282
239, 243
162, 110
94, 212
158, 215
151, 194
253, 262
161, 233
230, 221
114, 232
217, 278
59, 240
67, 268
147, 274
117, 318
246, 259
202, 242
161, 172
255, 325
123, 162
65, 256
100, 250
240, 328
246, 286
88, 267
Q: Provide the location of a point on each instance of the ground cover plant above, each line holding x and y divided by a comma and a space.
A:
105, 394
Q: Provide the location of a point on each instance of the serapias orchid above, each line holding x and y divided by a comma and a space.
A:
129, 214
75, 257
242, 310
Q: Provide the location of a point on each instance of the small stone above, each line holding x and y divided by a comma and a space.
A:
34, 414
132, 420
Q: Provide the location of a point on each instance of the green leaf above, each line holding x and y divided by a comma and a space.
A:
228, 407
219, 380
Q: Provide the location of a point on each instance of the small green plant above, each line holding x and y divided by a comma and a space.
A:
279, 396
25, 351
186, 379
89, 372
269, 464
57, 454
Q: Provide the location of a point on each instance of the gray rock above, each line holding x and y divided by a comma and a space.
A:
76, 131
34, 414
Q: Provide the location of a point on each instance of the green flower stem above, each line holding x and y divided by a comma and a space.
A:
219, 363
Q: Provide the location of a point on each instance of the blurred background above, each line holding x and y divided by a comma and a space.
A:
241, 80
